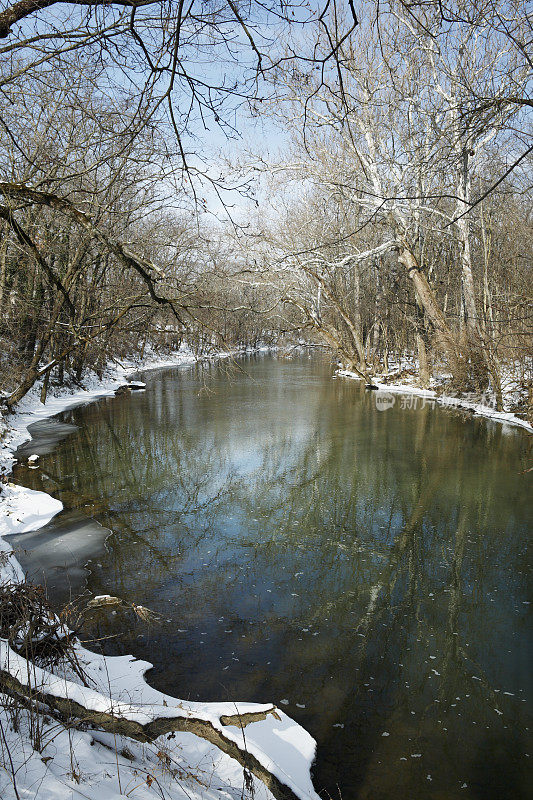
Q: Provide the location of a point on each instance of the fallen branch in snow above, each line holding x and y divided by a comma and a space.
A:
76, 715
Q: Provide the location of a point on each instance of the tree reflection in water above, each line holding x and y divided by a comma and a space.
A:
369, 567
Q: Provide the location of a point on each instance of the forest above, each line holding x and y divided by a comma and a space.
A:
226, 174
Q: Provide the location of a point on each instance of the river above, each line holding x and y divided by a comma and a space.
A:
365, 569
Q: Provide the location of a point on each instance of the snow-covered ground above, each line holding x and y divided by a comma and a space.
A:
42, 758
408, 387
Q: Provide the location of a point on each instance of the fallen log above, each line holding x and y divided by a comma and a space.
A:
75, 714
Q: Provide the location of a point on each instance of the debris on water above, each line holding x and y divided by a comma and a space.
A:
103, 600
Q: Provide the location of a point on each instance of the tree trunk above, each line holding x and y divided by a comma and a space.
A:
471, 328
3, 264
44, 388
357, 327
423, 366
443, 334
421, 340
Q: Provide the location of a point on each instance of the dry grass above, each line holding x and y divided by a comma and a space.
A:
33, 630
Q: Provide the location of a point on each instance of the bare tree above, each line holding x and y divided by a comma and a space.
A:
119, 93
398, 139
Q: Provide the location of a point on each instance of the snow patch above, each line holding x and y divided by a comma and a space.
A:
445, 400
26, 510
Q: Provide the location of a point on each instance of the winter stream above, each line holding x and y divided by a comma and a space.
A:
364, 569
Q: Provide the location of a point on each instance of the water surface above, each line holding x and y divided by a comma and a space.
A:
366, 570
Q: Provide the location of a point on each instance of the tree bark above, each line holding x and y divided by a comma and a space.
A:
3, 263
421, 345
471, 328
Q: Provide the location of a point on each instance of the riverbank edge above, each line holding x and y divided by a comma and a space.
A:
448, 401
14, 427
280, 745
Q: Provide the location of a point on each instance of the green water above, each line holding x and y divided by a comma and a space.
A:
366, 570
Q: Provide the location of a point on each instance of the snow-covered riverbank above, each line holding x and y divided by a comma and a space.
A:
67, 761
30, 409
431, 396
